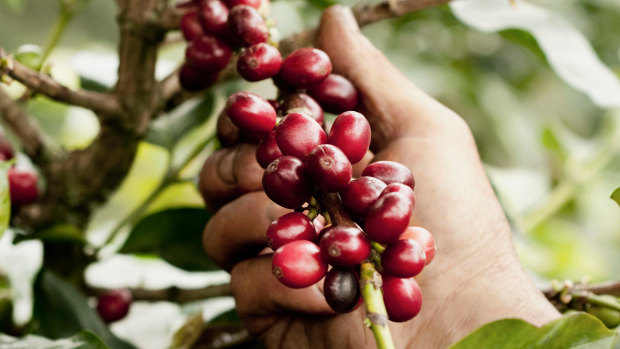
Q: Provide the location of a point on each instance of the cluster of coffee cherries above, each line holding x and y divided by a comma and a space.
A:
213, 29
23, 183
305, 166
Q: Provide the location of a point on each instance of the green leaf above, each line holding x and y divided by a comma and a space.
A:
5, 200
82, 340
61, 310
615, 196
167, 130
578, 330
175, 235
188, 334
567, 50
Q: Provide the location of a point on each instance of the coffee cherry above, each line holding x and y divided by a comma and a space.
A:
336, 94
195, 80
213, 15
250, 111
390, 172
114, 305
247, 26
341, 290
304, 104
22, 186
351, 133
252, 3
259, 62
422, 237
6, 148
329, 168
208, 54
290, 227
402, 297
298, 264
305, 67
361, 194
403, 258
267, 150
344, 246
297, 134
400, 188
227, 132
286, 183
388, 218
190, 26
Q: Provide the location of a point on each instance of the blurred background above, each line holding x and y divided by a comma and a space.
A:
544, 111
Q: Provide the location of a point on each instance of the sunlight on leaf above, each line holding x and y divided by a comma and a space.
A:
567, 50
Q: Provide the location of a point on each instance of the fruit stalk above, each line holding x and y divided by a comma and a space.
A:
370, 280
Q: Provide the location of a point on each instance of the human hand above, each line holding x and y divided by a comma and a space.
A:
475, 277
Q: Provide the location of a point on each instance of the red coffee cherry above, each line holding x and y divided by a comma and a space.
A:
22, 186
290, 227
252, 3
305, 67
193, 80
388, 218
6, 148
351, 133
267, 150
336, 94
304, 104
286, 183
259, 62
422, 237
298, 264
114, 305
190, 26
213, 15
400, 188
247, 26
329, 168
208, 54
297, 134
342, 290
250, 111
361, 194
390, 172
344, 246
403, 258
402, 297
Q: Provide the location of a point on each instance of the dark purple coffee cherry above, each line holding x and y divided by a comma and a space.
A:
286, 182
298, 264
336, 94
190, 26
247, 26
342, 290
329, 168
305, 67
351, 133
259, 62
344, 246
208, 54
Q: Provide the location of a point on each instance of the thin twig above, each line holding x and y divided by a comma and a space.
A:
100, 103
173, 294
21, 124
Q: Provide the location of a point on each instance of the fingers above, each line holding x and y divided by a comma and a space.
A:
394, 106
229, 173
237, 230
272, 296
